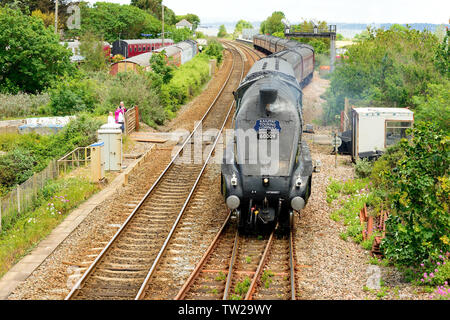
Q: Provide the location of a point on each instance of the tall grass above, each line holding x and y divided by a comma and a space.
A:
22, 105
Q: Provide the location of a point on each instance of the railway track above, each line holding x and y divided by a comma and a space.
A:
254, 54
125, 267
238, 267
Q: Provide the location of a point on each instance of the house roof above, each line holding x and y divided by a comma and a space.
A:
184, 23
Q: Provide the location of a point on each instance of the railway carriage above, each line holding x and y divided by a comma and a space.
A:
299, 55
131, 48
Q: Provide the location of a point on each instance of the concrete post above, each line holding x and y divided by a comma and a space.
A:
332, 52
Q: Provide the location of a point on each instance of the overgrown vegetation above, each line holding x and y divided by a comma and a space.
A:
22, 104
411, 182
399, 67
29, 153
186, 83
55, 200
34, 59
62, 89
273, 25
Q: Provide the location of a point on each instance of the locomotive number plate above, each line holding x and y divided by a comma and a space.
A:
267, 135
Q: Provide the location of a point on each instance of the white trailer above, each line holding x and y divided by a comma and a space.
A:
375, 129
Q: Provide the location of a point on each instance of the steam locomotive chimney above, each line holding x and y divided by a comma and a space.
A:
267, 97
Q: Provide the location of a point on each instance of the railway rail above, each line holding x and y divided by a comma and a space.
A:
125, 266
254, 54
240, 267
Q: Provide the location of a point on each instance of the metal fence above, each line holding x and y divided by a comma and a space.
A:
21, 198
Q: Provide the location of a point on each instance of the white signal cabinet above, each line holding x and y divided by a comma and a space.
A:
375, 129
111, 135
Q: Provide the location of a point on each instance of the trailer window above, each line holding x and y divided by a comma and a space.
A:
396, 130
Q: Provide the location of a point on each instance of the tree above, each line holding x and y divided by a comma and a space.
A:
91, 48
240, 25
273, 23
111, 21
321, 45
222, 31
33, 58
181, 34
47, 18
442, 56
45, 6
434, 106
387, 69
214, 50
417, 189
154, 7
162, 72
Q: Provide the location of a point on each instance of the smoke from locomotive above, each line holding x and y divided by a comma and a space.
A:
267, 169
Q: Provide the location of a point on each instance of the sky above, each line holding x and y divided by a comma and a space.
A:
350, 11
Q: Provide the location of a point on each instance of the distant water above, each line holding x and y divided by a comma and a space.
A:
348, 30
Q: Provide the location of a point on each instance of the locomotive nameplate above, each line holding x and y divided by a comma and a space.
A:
267, 129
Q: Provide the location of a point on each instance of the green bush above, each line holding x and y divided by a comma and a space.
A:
387, 69
186, 82
434, 106
363, 168
16, 167
417, 190
215, 50
29, 153
72, 96
133, 89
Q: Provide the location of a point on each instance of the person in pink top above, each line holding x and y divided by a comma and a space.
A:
120, 115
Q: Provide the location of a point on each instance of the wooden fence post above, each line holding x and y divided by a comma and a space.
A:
136, 113
18, 198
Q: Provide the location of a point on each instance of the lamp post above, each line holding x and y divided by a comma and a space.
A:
56, 16
162, 17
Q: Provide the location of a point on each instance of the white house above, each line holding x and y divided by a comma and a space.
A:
184, 24
375, 129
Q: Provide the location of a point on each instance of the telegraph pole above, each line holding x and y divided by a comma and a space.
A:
56, 16
162, 24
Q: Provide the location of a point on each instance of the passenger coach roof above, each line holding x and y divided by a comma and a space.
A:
141, 59
146, 41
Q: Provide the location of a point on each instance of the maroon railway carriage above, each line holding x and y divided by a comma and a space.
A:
131, 48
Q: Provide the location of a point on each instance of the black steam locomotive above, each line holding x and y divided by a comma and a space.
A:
267, 168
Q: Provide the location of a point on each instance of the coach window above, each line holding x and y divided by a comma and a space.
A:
396, 130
